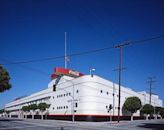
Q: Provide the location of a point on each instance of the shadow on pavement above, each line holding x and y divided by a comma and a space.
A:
10, 119
153, 126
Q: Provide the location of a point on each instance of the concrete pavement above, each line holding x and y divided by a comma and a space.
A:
29, 124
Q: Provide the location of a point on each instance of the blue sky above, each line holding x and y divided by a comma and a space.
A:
34, 29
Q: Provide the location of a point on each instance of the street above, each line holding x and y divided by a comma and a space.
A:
19, 124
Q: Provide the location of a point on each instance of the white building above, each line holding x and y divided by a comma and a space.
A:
86, 97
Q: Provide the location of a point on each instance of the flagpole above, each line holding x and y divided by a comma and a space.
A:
65, 54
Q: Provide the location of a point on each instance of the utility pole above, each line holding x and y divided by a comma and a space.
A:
150, 81
120, 46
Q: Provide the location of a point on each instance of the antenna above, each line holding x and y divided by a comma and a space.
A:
65, 52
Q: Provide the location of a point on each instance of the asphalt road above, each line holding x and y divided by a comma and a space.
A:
29, 124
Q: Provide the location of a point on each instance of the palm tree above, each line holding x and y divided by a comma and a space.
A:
4, 80
42, 107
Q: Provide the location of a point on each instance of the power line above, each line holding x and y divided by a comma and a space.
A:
148, 39
84, 52
58, 57
28, 68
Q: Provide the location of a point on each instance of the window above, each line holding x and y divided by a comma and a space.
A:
67, 107
53, 108
107, 93
54, 87
64, 95
101, 91
53, 97
77, 91
75, 104
106, 107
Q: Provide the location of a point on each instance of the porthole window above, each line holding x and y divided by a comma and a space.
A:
107, 93
53, 108
76, 104
77, 91
67, 107
67, 94
106, 106
64, 95
64, 107
101, 91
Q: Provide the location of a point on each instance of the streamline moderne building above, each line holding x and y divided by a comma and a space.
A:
86, 97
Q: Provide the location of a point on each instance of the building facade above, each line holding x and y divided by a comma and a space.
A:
82, 97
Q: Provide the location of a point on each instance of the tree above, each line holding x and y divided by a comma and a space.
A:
7, 112
132, 104
33, 107
157, 110
1, 111
42, 107
162, 112
147, 109
26, 109
4, 80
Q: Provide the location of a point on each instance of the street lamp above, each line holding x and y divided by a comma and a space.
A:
91, 72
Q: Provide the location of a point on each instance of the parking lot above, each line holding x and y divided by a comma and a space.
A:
19, 124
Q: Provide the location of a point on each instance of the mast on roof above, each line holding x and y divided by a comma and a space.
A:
65, 53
